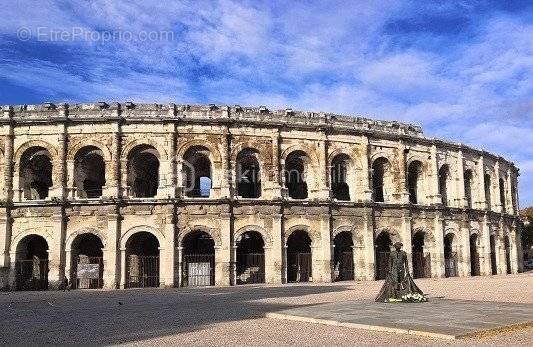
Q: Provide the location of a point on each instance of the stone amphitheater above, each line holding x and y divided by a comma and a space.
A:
120, 195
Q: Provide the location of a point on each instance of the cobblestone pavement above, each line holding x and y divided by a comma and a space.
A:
230, 316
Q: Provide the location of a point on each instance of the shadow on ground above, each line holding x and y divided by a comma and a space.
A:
111, 317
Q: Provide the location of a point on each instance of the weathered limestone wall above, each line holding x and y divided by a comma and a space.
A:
116, 129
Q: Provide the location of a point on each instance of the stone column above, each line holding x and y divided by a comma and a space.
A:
437, 256
435, 197
323, 186
464, 256
481, 203
167, 262
368, 239
56, 254
461, 200
407, 239
113, 167
59, 174
365, 187
509, 193
70, 189
223, 252
123, 267
485, 247
179, 269
498, 207
403, 194
274, 255
321, 253
276, 173
5, 223
112, 254
359, 262
225, 178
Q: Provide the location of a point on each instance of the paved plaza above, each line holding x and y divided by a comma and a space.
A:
230, 316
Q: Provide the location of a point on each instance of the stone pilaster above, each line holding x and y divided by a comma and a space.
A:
460, 195
368, 239
434, 198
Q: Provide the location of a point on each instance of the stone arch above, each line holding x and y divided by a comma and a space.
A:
184, 147
315, 239
90, 142
416, 157
429, 238
267, 239
35, 143
132, 231
380, 154
393, 234
163, 155
20, 236
263, 159
355, 160
72, 236
308, 150
214, 233
356, 237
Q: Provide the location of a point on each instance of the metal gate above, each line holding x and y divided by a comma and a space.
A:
299, 267
345, 270
450, 265
421, 265
474, 263
382, 265
31, 274
198, 270
250, 268
142, 271
87, 272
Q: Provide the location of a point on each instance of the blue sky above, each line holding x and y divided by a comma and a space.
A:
460, 69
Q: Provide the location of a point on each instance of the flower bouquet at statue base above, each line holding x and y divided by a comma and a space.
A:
411, 297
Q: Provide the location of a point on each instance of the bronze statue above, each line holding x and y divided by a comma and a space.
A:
399, 285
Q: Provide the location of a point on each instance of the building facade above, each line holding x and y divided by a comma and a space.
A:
131, 195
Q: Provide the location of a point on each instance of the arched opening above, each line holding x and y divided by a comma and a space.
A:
89, 172
468, 180
343, 264
87, 267
507, 245
488, 197
143, 171
31, 263
444, 176
382, 246
474, 256
35, 173
198, 259
197, 172
248, 174
339, 177
250, 258
414, 182
502, 194
299, 259
380, 178
493, 264
421, 261
450, 256
295, 174
142, 260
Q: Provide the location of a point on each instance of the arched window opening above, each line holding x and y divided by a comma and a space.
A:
343, 264
31, 263
502, 194
488, 198
493, 264
198, 172
444, 176
89, 172
414, 181
421, 260
143, 171
295, 174
474, 256
87, 267
380, 177
248, 174
250, 258
450, 256
299, 258
142, 261
339, 177
35, 173
468, 178
382, 246
198, 259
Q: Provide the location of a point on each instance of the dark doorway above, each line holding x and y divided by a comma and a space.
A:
143, 171
468, 178
198, 259
493, 263
248, 174
142, 261
380, 169
35, 173
197, 172
295, 175
250, 258
31, 264
299, 259
414, 178
421, 261
450, 256
382, 247
474, 256
339, 177
343, 264
444, 176
87, 267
